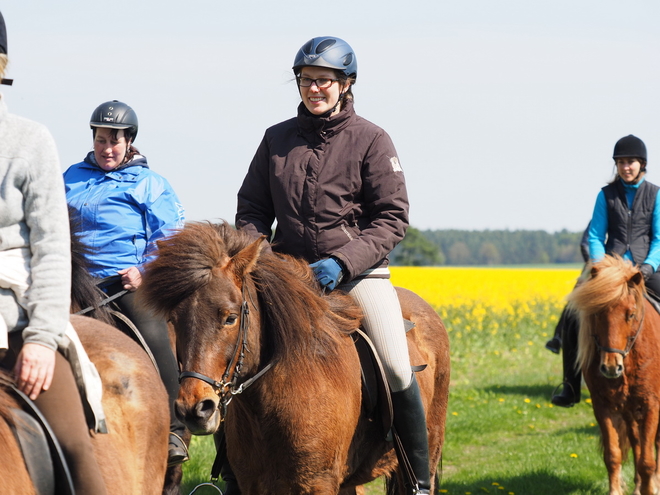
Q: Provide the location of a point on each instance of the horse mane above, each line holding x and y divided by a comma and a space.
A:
295, 313
609, 283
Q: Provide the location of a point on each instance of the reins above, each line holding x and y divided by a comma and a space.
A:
227, 388
107, 300
631, 340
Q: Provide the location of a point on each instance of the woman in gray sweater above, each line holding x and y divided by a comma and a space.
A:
34, 236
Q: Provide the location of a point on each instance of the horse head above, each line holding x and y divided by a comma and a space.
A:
203, 288
611, 308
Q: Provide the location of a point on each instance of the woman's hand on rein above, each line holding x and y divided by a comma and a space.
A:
34, 369
131, 278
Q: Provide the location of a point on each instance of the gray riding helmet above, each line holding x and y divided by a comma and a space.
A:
327, 51
115, 115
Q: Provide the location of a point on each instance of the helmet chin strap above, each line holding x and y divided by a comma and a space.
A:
332, 110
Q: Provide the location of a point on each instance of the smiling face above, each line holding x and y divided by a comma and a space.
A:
319, 100
109, 150
628, 168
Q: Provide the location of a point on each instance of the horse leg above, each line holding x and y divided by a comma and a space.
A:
610, 426
645, 463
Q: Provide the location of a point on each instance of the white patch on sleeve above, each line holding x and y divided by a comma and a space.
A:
396, 166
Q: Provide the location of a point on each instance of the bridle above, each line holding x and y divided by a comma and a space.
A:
631, 339
227, 387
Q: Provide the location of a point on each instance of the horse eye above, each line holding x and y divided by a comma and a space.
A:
231, 319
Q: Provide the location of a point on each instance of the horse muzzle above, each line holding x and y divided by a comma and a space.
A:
202, 416
611, 366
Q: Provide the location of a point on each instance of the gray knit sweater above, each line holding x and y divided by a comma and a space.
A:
33, 214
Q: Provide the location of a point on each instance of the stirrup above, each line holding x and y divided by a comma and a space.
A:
177, 451
568, 403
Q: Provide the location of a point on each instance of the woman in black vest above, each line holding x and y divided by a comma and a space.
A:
626, 222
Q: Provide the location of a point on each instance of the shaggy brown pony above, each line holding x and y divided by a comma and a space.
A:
243, 313
619, 355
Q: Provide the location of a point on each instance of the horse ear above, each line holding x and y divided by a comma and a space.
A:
243, 262
636, 279
594, 271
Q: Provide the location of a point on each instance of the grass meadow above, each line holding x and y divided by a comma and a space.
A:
503, 434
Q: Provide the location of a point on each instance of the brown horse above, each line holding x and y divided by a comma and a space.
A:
296, 422
133, 455
619, 354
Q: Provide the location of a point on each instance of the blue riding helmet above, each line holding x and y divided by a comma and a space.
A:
327, 51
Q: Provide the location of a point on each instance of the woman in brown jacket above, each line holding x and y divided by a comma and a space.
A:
333, 182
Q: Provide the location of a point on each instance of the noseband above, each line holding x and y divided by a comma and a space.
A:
631, 340
227, 387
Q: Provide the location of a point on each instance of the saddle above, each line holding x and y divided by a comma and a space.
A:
654, 299
377, 401
42, 453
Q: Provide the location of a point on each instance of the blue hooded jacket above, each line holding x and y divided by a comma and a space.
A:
122, 212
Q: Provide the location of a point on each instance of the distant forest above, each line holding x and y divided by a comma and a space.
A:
488, 247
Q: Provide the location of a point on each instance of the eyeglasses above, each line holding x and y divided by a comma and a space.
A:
321, 83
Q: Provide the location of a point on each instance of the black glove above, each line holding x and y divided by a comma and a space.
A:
647, 271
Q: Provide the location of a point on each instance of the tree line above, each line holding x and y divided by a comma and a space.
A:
488, 247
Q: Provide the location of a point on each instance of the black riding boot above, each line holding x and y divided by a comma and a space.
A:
570, 393
554, 344
410, 425
221, 462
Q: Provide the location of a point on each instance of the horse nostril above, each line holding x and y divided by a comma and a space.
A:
205, 409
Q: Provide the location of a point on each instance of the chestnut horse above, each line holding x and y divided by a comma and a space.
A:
133, 454
619, 355
296, 423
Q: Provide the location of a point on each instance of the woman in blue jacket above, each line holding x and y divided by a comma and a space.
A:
626, 222
123, 207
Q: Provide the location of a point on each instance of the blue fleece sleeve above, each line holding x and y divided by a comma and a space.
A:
653, 258
598, 229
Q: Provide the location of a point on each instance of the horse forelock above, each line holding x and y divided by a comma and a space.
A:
186, 261
599, 293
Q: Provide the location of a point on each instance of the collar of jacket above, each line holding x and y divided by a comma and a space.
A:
629, 187
137, 161
310, 125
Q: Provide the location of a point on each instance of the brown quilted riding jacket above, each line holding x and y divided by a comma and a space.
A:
335, 187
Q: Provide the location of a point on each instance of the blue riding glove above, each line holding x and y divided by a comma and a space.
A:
328, 272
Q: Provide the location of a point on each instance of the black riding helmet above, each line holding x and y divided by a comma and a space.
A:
115, 115
329, 52
3, 46
630, 147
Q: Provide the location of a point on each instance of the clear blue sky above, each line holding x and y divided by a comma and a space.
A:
504, 113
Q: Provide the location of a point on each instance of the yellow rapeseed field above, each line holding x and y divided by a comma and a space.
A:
478, 300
